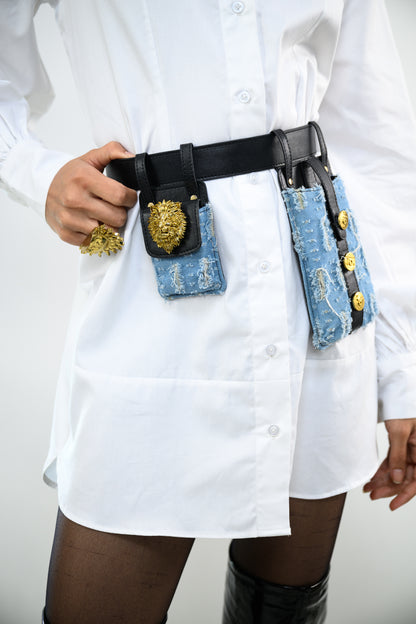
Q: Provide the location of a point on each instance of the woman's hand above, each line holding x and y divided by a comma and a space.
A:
397, 474
81, 197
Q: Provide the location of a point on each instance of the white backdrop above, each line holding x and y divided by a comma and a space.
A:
373, 569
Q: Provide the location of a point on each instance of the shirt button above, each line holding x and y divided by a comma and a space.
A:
253, 178
274, 431
237, 7
271, 350
264, 267
244, 97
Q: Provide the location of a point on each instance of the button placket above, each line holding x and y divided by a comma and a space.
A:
244, 66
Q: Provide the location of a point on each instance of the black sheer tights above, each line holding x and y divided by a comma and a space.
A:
301, 558
109, 578
129, 579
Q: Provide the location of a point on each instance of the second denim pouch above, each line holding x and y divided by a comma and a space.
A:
337, 284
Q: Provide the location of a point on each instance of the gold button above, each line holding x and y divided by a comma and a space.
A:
358, 301
343, 219
349, 261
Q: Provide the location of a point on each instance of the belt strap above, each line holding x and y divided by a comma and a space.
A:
217, 160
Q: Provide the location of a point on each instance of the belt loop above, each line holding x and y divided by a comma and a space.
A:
287, 155
322, 146
142, 175
188, 168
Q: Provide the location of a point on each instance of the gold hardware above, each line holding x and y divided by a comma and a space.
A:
343, 219
326, 168
167, 224
101, 240
358, 301
349, 261
194, 197
290, 182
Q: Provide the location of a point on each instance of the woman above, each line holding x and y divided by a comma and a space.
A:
215, 416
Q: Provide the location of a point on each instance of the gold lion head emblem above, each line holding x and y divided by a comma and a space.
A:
167, 224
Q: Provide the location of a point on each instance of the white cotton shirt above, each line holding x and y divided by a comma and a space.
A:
200, 416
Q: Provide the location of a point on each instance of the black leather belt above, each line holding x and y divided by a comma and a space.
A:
217, 160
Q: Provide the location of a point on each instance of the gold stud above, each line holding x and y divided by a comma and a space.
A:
343, 219
358, 301
194, 197
349, 261
290, 182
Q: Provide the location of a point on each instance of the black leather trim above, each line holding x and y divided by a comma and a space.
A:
287, 155
140, 166
188, 168
322, 146
357, 316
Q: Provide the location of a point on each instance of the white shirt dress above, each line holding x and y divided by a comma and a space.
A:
201, 416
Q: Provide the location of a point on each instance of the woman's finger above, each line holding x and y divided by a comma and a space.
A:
399, 432
406, 494
381, 477
384, 491
412, 447
104, 212
110, 190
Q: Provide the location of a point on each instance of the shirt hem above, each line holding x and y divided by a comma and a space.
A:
174, 533
341, 490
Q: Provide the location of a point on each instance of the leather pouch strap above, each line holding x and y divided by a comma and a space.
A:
331, 199
188, 168
142, 176
340, 235
287, 179
322, 146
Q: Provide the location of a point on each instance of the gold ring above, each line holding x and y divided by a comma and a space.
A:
101, 240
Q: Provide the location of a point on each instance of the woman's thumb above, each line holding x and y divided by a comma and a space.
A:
101, 156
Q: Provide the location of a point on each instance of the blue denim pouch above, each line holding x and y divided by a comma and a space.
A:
327, 297
196, 273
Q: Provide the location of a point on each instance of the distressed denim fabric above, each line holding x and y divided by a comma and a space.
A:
198, 273
326, 292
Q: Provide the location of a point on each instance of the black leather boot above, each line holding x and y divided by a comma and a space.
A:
46, 621
251, 600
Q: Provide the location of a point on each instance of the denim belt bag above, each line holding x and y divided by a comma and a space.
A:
176, 216
178, 227
179, 232
338, 289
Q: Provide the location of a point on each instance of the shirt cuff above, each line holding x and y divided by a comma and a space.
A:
28, 170
397, 387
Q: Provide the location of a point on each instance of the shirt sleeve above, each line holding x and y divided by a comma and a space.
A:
27, 167
367, 118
